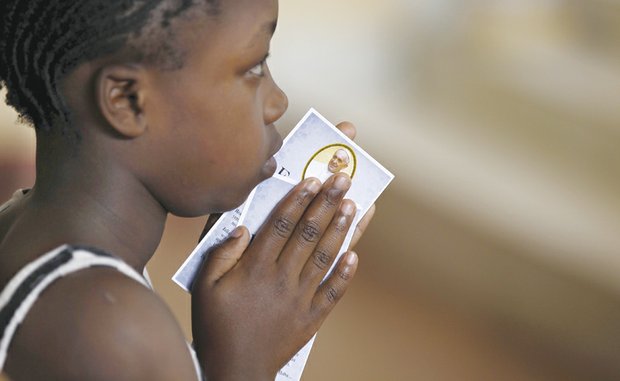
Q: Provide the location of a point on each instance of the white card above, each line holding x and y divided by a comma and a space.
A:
263, 199
314, 148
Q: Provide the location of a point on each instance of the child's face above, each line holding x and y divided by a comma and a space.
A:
214, 117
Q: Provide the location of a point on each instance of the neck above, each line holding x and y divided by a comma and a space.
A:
89, 201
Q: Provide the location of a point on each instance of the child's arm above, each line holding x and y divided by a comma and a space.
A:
255, 305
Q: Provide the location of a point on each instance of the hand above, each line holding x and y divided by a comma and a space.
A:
348, 129
255, 305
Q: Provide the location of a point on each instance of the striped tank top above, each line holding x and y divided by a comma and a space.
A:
24, 288
22, 291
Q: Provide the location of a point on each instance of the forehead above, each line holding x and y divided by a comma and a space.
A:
247, 11
237, 22
239, 33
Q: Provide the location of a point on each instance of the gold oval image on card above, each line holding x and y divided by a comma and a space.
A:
329, 160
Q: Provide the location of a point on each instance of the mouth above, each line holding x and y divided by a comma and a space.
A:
271, 165
277, 146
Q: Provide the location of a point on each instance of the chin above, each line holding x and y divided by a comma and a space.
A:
196, 207
191, 211
233, 199
228, 198
228, 206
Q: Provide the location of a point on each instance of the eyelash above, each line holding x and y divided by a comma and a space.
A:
260, 67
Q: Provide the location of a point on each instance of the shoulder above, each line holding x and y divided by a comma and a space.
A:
96, 324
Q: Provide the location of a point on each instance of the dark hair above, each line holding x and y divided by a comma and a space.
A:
43, 40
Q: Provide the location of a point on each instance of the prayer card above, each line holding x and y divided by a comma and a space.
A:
314, 148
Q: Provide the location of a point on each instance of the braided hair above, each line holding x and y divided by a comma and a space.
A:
43, 40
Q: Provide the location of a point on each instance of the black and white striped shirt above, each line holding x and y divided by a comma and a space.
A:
23, 290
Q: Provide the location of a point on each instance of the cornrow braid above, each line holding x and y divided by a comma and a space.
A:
43, 40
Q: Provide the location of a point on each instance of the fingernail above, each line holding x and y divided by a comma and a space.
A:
313, 185
347, 208
351, 259
236, 233
334, 195
342, 182
342, 221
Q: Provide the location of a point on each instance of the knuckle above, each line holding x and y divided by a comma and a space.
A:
332, 197
332, 294
302, 198
213, 251
282, 226
344, 275
280, 288
360, 230
310, 231
342, 224
322, 259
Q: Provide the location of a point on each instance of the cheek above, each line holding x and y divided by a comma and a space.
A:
215, 150
233, 156
244, 138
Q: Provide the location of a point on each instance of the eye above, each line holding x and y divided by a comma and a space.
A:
259, 69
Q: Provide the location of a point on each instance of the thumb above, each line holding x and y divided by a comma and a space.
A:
224, 256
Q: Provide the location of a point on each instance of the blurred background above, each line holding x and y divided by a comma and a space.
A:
495, 254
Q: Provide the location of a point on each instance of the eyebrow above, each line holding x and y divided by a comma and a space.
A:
267, 29
270, 27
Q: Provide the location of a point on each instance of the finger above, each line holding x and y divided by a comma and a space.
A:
313, 224
362, 226
348, 129
328, 248
280, 225
210, 222
223, 257
331, 291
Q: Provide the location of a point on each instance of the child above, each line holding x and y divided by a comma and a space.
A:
143, 108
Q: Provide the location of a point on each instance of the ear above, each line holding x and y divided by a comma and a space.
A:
121, 95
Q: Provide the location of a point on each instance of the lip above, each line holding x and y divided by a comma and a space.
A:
270, 166
277, 146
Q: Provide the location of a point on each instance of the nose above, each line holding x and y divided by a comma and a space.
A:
275, 105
